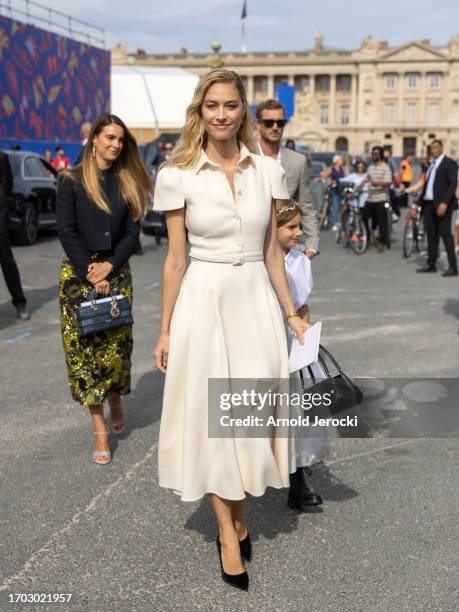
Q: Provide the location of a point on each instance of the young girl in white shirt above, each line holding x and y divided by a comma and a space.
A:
309, 450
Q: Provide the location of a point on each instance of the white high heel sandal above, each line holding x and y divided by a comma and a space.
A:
101, 454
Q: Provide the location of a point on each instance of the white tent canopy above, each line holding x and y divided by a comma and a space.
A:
146, 97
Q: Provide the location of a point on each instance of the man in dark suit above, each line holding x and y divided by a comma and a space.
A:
438, 200
7, 261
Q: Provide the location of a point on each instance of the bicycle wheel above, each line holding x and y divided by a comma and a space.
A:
389, 226
323, 215
408, 240
339, 232
358, 238
348, 221
421, 237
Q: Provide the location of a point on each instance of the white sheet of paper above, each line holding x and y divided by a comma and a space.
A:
301, 355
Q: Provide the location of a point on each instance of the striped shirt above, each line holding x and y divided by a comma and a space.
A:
379, 172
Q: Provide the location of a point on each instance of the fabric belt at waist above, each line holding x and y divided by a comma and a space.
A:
236, 260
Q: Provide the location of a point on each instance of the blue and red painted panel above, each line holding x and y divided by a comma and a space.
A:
49, 84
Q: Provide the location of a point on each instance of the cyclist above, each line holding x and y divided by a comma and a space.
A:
359, 179
335, 172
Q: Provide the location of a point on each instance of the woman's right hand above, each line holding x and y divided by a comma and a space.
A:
161, 352
103, 287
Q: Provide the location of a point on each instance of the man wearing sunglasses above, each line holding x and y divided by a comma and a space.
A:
270, 122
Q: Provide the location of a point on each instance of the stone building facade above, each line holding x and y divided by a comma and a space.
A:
348, 100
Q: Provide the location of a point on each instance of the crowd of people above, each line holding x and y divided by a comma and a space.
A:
246, 209
383, 183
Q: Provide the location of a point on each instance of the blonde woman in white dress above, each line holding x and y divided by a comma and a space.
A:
220, 314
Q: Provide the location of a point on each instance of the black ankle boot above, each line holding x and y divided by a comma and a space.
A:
240, 581
300, 494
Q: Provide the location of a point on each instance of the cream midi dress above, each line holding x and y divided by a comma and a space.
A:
226, 323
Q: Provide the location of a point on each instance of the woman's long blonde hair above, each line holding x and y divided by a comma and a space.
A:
134, 181
194, 138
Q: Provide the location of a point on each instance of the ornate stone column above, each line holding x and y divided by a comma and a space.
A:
354, 118
250, 89
332, 100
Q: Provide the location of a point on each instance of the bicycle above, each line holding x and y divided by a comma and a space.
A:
351, 225
414, 234
323, 214
348, 193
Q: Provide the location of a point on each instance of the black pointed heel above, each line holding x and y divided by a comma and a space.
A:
240, 581
246, 548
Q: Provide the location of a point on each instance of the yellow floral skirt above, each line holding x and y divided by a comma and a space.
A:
100, 363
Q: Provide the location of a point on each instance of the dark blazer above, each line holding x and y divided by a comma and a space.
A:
6, 185
445, 184
83, 228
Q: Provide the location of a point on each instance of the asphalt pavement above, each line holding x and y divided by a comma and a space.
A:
385, 538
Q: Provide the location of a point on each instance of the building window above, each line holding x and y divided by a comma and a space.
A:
344, 114
323, 83
410, 113
391, 80
434, 80
412, 79
433, 113
343, 82
301, 82
280, 80
323, 113
389, 112
342, 144
261, 84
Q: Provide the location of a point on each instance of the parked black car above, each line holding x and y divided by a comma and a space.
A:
154, 223
33, 199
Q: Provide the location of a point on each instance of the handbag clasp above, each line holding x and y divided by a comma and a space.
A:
114, 310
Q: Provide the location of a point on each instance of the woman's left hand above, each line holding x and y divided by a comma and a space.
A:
98, 272
299, 327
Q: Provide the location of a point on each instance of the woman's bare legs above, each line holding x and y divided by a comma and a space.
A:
116, 411
98, 422
238, 515
231, 554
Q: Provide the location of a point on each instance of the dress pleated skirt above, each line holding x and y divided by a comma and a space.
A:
226, 324
100, 363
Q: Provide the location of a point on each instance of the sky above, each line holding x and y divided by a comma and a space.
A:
160, 26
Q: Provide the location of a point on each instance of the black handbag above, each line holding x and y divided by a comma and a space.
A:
344, 392
98, 315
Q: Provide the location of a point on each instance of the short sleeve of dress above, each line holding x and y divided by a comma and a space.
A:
169, 194
277, 177
307, 276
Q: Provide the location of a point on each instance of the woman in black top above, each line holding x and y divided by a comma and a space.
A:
99, 207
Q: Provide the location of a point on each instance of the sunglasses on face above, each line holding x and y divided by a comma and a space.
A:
269, 123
